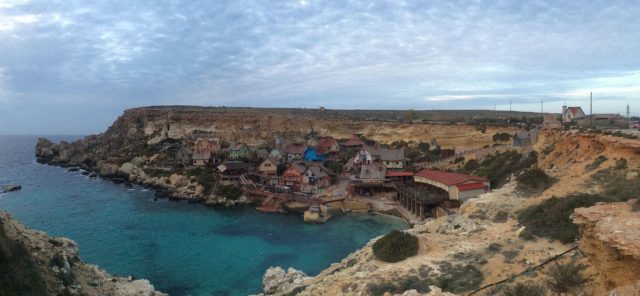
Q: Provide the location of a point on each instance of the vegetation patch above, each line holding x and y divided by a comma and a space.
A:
500, 166
567, 279
19, 275
596, 163
534, 179
454, 279
231, 192
522, 289
395, 246
204, 176
551, 218
501, 137
636, 205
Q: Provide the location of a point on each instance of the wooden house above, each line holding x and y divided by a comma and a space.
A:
354, 143
232, 170
572, 113
275, 154
268, 167
296, 151
202, 157
238, 151
184, 156
206, 144
311, 154
315, 179
292, 176
328, 146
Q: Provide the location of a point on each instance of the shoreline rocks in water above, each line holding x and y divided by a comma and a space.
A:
10, 187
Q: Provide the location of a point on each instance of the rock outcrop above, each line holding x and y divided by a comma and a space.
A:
277, 281
9, 188
53, 266
611, 240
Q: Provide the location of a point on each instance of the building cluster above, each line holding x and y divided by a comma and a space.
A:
290, 167
575, 116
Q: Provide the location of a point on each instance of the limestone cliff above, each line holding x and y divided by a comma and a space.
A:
43, 265
611, 240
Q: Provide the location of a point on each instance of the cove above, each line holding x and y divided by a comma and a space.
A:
182, 248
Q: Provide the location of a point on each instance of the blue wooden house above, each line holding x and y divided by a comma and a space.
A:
311, 154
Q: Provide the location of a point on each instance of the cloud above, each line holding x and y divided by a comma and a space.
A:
347, 54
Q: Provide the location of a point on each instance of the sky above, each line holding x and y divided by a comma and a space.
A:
72, 67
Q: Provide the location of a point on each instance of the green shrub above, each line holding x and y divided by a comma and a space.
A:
551, 218
621, 164
500, 166
470, 166
548, 149
567, 278
524, 289
501, 137
636, 205
459, 278
622, 189
231, 192
534, 179
458, 160
395, 246
596, 163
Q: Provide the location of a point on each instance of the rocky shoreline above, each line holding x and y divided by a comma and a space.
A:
174, 186
54, 265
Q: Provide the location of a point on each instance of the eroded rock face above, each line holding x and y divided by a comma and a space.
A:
277, 281
611, 240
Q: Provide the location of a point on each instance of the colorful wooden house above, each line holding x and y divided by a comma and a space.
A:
311, 154
328, 146
292, 176
238, 151
296, 151
315, 179
275, 154
268, 167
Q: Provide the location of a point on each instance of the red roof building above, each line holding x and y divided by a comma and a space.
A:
354, 142
459, 186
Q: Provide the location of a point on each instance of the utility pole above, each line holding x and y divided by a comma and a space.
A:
628, 113
591, 110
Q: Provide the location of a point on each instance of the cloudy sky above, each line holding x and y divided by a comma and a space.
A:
72, 67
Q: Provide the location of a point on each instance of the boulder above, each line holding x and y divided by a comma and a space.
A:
10, 187
126, 169
277, 281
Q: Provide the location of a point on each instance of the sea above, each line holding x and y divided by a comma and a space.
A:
182, 248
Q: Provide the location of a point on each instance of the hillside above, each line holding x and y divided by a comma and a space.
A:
485, 243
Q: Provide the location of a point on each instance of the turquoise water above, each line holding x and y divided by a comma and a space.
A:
184, 249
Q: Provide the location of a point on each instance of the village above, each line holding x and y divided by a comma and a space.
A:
321, 174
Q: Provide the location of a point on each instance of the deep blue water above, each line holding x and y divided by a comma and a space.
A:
182, 248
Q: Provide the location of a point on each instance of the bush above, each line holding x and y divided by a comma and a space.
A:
622, 189
524, 289
500, 166
458, 160
231, 192
551, 218
534, 179
501, 137
596, 163
395, 246
636, 205
566, 278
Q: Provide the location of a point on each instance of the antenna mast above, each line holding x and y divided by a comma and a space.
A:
628, 113
591, 110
